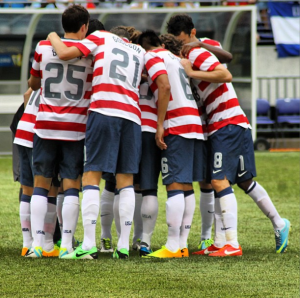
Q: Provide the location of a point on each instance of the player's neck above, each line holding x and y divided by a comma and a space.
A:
72, 36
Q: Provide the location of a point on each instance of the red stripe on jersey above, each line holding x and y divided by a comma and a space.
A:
145, 108
63, 110
183, 129
233, 120
201, 58
98, 72
45, 43
82, 48
28, 118
116, 89
99, 56
87, 95
159, 50
153, 61
24, 135
37, 57
188, 55
96, 40
213, 66
182, 112
211, 42
69, 43
149, 122
89, 78
224, 106
161, 72
215, 94
55, 125
41, 74
203, 85
35, 73
110, 104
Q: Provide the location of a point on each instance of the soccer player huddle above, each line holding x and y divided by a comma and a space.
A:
126, 106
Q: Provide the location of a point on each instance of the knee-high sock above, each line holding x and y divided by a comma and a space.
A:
126, 212
59, 206
207, 203
229, 215
220, 239
70, 213
25, 220
116, 213
189, 209
90, 212
137, 217
149, 211
38, 209
106, 212
264, 203
49, 225
174, 209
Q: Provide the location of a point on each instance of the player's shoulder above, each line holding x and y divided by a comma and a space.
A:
211, 41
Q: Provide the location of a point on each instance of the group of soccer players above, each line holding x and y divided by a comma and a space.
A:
124, 107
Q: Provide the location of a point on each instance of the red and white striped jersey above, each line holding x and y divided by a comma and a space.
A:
148, 108
219, 99
24, 134
65, 93
182, 117
117, 74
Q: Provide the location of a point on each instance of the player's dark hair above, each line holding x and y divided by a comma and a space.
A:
171, 43
120, 31
149, 39
179, 23
94, 25
74, 17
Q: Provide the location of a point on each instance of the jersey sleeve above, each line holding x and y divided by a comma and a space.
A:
90, 43
202, 59
35, 68
154, 65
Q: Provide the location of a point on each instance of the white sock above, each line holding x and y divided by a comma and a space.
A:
25, 220
149, 211
189, 209
38, 210
106, 213
174, 213
263, 201
59, 205
70, 213
220, 238
126, 211
229, 215
207, 209
137, 217
50, 223
90, 210
117, 214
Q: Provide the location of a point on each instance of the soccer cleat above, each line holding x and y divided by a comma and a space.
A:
206, 251
136, 244
80, 253
145, 249
76, 242
164, 253
34, 252
185, 252
205, 243
24, 251
121, 254
53, 253
58, 243
281, 237
227, 251
63, 252
106, 245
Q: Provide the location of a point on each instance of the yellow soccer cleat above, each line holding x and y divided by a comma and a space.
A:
164, 253
51, 254
185, 252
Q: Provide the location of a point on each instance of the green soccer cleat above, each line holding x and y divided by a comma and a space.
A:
205, 243
121, 254
281, 237
79, 253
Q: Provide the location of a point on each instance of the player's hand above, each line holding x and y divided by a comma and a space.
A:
159, 137
187, 65
51, 34
186, 48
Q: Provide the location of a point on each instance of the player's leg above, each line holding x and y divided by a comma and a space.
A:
137, 219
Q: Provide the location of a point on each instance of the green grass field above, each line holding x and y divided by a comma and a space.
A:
260, 272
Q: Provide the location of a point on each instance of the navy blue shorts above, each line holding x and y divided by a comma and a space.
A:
53, 156
150, 162
26, 173
112, 144
232, 154
183, 160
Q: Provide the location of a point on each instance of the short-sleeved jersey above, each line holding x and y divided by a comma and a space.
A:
24, 134
117, 74
65, 93
148, 108
219, 99
182, 117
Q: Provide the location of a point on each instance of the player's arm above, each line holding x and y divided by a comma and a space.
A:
222, 55
34, 82
26, 96
62, 51
164, 91
219, 74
